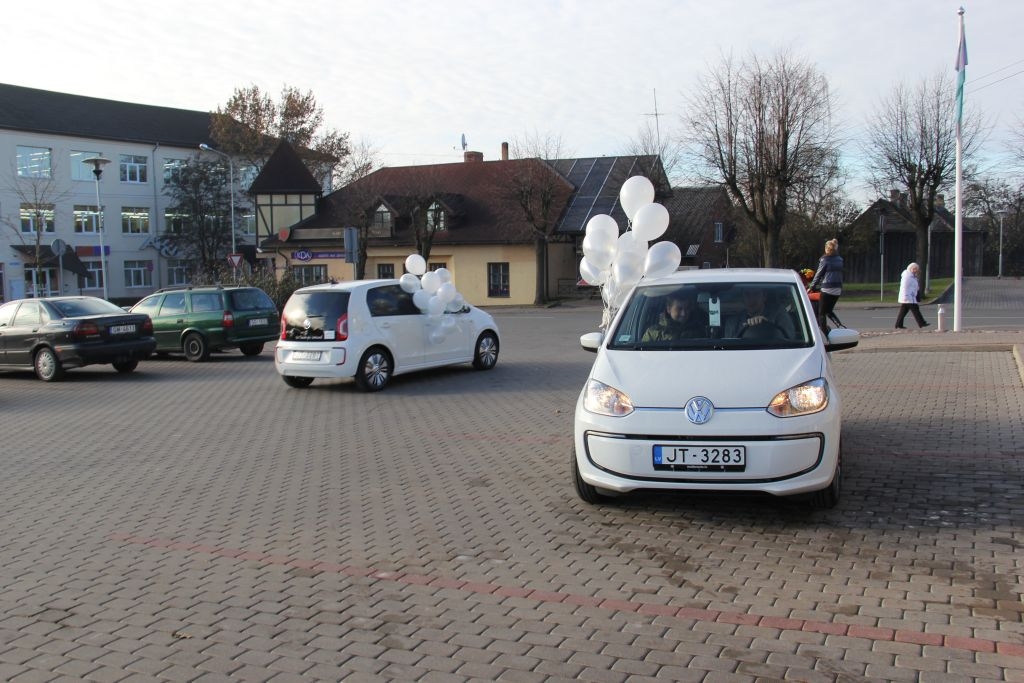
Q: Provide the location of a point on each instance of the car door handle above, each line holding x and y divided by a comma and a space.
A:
181, 320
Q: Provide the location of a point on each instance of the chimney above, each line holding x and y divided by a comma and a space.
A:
471, 157
940, 201
504, 151
894, 196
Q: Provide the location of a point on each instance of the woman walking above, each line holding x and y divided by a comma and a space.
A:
909, 295
829, 280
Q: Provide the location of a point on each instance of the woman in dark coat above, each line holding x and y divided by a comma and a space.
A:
829, 280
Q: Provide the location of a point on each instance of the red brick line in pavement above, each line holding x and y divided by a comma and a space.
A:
696, 614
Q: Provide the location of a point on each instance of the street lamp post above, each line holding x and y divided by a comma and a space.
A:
1002, 214
231, 180
97, 163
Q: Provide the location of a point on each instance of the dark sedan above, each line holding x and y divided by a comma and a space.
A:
50, 334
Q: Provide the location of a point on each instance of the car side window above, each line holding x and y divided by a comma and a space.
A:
29, 314
149, 306
6, 313
390, 300
174, 304
204, 303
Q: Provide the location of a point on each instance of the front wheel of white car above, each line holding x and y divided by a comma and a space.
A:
828, 497
586, 492
485, 356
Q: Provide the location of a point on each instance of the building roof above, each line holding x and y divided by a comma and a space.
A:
54, 113
598, 181
285, 172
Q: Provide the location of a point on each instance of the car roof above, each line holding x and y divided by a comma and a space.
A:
724, 275
347, 286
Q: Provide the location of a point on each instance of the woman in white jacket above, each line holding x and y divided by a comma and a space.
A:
908, 297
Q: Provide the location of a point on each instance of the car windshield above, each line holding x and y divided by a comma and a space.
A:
713, 316
74, 308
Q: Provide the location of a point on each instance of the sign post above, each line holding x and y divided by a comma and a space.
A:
58, 246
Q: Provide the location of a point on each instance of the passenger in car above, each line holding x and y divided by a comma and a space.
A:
759, 319
682, 319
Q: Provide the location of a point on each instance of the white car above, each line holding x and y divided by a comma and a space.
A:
739, 396
370, 330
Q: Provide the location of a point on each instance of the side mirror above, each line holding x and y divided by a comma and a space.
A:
592, 341
841, 338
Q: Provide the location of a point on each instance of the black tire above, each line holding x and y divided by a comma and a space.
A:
586, 492
195, 347
125, 366
253, 349
47, 366
828, 497
297, 382
485, 355
374, 370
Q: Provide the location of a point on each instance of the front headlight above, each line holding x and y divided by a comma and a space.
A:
605, 400
805, 399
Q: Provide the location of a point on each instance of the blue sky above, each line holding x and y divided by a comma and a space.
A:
412, 77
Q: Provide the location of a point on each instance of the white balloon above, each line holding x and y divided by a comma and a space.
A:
662, 259
591, 274
603, 225
415, 264
446, 292
627, 273
435, 306
430, 281
444, 274
600, 249
459, 301
650, 222
636, 192
421, 298
630, 249
409, 282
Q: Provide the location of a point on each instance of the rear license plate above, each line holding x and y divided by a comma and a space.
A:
700, 458
257, 322
122, 329
305, 355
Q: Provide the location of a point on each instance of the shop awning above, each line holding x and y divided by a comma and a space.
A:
71, 261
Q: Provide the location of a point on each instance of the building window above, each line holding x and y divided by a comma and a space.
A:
34, 216
247, 223
95, 278
175, 222
80, 171
135, 220
719, 232
138, 274
437, 265
385, 271
33, 162
177, 271
172, 169
381, 223
497, 280
45, 278
246, 176
133, 168
310, 275
435, 218
87, 218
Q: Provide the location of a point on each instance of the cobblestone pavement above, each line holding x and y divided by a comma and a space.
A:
203, 522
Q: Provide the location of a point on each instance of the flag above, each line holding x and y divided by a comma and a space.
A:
961, 71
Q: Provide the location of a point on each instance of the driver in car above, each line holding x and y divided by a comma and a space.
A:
759, 320
682, 319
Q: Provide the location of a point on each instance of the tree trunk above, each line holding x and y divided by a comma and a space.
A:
772, 254
921, 251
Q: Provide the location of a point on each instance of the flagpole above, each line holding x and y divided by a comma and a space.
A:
961, 68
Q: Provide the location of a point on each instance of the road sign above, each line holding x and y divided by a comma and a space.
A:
235, 260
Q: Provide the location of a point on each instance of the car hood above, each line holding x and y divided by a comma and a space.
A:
730, 379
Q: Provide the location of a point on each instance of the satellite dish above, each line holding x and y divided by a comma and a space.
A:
464, 142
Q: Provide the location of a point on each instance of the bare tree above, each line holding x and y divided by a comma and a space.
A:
761, 128
1000, 207
362, 160
911, 146
536, 189
37, 196
649, 141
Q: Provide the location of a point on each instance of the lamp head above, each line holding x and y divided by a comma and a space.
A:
97, 163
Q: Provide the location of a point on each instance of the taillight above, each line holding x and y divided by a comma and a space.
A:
84, 330
228, 320
341, 329
147, 327
284, 328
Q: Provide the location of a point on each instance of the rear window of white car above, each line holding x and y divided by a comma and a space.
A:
713, 316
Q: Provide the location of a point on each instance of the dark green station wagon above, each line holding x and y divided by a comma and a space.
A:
198, 320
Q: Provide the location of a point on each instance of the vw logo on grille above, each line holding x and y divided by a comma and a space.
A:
306, 324
699, 410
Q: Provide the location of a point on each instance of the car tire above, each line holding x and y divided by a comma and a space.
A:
195, 347
297, 382
47, 366
374, 370
485, 355
253, 349
125, 366
586, 492
828, 497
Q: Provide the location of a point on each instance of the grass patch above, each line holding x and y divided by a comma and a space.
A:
868, 292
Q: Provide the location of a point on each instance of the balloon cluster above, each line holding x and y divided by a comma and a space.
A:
617, 262
433, 293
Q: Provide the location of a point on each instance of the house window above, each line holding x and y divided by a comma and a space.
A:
172, 170
33, 162
381, 223
133, 168
138, 274
385, 271
437, 265
87, 218
135, 220
497, 280
79, 170
719, 232
175, 222
435, 218
177, 271
310, 275
45, 279
95, 277
247, 223
34, 216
